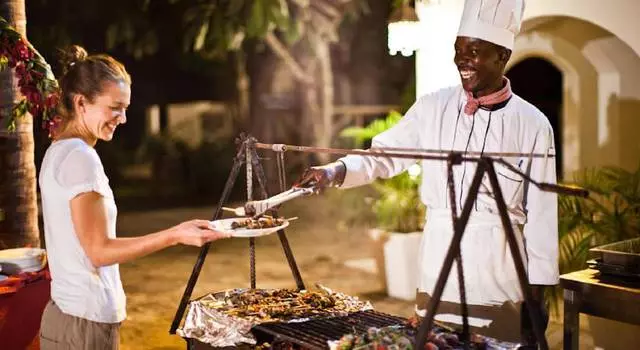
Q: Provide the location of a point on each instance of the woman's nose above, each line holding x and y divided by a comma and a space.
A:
123, 117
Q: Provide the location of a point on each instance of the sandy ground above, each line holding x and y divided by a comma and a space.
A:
330, 231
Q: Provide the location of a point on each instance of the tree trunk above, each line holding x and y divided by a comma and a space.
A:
310, 109
325, 132
18, 200
242, 84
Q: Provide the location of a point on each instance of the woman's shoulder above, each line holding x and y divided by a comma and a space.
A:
76, 150
74, 158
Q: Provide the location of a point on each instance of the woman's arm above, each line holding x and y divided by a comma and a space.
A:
88, 213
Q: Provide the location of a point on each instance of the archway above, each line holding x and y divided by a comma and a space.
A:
539, 82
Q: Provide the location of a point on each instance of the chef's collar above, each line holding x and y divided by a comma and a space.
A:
497, 106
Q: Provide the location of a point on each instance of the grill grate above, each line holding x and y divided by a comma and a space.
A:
314, 334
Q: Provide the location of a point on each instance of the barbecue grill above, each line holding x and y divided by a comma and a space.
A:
314, 334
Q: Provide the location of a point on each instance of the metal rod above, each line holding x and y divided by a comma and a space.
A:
454, 249
258, 171
454, 159
260, 175
536, 318
286, 248
395, 152
252, 261
437, 155
547, 187
186, 295
282, 174
252, 241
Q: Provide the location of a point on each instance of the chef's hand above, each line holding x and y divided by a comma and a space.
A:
319, 177
195, 233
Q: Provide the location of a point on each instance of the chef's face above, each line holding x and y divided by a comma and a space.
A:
481, 65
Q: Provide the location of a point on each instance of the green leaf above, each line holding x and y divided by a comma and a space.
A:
293, 32
4, 63
257, 23
362, 135
199, 41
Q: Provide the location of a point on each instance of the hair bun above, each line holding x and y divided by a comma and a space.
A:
72, 55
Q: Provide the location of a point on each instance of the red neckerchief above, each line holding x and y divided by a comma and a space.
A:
497, 97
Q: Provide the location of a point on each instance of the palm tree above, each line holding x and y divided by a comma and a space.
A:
610, 214
18, 200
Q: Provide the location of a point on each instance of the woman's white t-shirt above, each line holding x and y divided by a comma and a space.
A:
71, 167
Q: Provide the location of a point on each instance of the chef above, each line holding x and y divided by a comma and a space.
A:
481, 114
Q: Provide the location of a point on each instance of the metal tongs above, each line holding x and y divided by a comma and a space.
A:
259, 207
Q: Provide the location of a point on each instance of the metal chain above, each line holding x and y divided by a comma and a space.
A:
281, 171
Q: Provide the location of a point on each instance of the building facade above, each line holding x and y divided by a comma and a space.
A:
594, 49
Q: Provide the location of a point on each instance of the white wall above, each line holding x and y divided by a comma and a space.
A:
620, 17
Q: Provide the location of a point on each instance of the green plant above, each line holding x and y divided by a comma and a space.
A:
610, 214
398, 207
360, 135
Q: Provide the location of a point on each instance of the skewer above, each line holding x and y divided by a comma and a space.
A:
239, 211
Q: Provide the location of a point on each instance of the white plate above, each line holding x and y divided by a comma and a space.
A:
24, 255
224, 225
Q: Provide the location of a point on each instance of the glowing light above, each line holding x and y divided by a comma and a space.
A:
404, 31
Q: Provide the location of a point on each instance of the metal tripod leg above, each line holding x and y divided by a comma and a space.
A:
455, 158
536, 318
454, 250
186, 295
484, 165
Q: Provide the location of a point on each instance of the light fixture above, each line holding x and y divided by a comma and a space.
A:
404, 30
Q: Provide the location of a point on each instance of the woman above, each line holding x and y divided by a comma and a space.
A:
87, 300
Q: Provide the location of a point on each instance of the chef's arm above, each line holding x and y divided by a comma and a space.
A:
541, 228
361, 170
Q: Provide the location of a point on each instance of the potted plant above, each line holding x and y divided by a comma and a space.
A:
610, 214
399, 218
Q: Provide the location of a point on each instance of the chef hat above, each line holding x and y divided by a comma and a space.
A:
497, 21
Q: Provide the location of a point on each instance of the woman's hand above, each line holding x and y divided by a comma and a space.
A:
196, 233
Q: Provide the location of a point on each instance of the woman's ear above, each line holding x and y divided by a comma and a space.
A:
79, 104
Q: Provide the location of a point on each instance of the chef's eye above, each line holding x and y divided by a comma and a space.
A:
474, 52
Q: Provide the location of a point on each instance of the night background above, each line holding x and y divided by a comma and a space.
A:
155, 40
302, 72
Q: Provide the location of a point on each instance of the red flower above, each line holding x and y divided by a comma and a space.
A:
52, 124
12, 61
21, 51
35, 109
52, 100
21, 69
25, 77
31, 94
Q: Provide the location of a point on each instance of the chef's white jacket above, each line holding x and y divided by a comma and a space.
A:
437, 121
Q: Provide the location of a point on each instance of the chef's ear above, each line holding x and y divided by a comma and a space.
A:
505, 55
